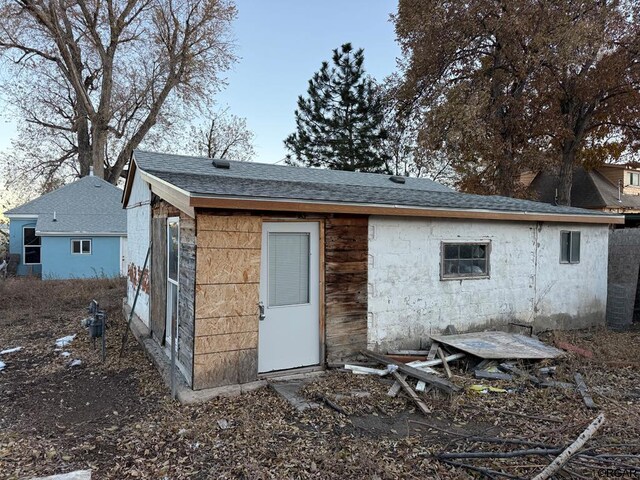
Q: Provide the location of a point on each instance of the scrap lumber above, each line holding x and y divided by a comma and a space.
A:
442, 384
408, 358
393, 391
396, 387
483, 374
420, 353
582, 388
507, 367
413, 395
564, 457
366, 370
433, 350
569, 347
421, 386
444, 362
436, 361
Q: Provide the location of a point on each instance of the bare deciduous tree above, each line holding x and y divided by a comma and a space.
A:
93, 77
222, 135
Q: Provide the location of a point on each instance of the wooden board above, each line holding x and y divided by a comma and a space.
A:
158, 278
499, 345
346, 257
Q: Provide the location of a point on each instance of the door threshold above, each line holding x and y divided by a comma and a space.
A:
293, 372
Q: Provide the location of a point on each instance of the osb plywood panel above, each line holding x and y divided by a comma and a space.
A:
223, 265
229, 223
346, 257
227, 291
230, 300
219, 325
241, 240
225, 368
227, 342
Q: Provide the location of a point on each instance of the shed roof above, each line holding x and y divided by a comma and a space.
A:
89, 205
201, 184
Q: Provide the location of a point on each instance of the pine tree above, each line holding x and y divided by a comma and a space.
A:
340, 122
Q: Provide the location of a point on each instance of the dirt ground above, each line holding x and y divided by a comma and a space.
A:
117, 419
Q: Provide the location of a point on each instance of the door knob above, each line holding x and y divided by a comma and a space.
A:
261, 316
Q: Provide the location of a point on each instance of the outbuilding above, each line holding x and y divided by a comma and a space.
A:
259, 268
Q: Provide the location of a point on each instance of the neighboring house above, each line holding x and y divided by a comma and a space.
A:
609, 188
76, 231
257, 268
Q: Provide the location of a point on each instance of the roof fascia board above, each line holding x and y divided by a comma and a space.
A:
128, 184
393, 210
84, 234
18, 216
179, 198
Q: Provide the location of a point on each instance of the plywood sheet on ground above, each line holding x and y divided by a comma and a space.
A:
499, 345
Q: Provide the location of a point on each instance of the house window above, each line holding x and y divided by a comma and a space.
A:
81, 247
569, 247
31, 246
634, 179
464, 260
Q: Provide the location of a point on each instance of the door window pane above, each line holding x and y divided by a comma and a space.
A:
172, 242
288, 261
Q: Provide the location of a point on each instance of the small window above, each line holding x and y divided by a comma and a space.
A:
464, 260
81, 247
569, 247
634, 179
31, 245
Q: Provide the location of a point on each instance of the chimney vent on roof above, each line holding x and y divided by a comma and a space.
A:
221, 164
397, 179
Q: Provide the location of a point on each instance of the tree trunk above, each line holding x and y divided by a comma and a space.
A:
84, 142
565, 177
98, 144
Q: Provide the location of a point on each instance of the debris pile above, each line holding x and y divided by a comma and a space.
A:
505, 364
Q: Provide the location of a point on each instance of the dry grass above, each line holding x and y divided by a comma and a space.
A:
117, 419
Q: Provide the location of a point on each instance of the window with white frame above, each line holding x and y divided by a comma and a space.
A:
570, 247
31, 246
81, 246
634, 179
464, 260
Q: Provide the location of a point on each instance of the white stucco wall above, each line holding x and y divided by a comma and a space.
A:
138, 229
527, 284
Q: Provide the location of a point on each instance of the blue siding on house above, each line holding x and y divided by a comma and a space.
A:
59, 262
15, 244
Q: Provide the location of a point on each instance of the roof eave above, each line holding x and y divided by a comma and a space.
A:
309, 206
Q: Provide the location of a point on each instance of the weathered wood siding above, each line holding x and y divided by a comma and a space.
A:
186, 293
346, 261
186, 279
226, 299
158, 277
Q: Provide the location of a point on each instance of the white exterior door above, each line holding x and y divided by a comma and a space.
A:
173, 266
289, 331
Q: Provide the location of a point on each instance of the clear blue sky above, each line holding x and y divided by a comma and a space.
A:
281, 43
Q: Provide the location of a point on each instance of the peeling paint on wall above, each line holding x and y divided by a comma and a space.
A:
138, 229
527, 284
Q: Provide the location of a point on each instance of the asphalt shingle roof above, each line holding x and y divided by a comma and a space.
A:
590, 189
89, 205
255, 180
